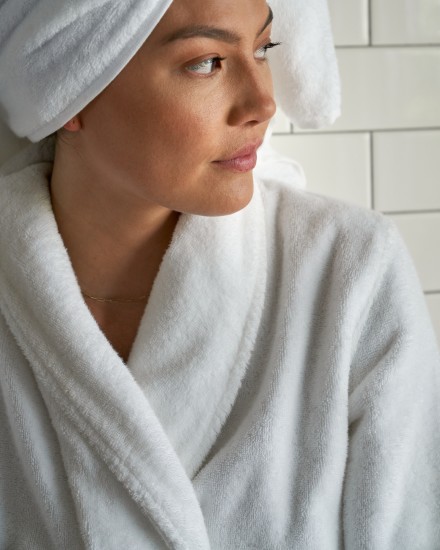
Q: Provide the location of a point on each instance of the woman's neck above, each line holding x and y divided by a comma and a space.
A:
115, 241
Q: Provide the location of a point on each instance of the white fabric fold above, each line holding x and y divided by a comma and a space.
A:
294, 403
304, 68
192, 391
92, 398
56, 57
153, 435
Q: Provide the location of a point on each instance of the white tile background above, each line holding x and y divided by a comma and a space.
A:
384, 151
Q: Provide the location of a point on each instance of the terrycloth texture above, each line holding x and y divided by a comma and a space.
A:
305, 70
282, 392
56, 57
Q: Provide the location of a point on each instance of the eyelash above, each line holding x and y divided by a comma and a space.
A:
268, 47
207, 63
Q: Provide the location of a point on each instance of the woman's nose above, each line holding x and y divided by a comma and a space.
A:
254, 102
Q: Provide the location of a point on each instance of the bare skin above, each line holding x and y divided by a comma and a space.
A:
146, 149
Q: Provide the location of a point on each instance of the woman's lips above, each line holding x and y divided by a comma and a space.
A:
244, 160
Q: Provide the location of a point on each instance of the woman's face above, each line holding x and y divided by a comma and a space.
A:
180, 124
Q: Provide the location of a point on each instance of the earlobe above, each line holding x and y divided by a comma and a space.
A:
73, 125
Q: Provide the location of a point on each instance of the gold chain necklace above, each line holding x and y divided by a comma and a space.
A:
116, 300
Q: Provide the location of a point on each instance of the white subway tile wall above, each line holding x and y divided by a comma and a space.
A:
343, 170
421, 233
384, 151
407, 170
389, 88
433, 301
350, 20
405, 22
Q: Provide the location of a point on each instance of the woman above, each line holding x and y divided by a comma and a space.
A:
191, 359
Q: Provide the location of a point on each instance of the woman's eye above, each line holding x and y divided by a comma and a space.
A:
261, 53
207, 66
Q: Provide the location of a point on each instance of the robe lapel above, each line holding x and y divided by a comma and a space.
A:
80, 376
200, 326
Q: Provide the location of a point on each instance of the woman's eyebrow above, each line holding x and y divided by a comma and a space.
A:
215, 33
267, 22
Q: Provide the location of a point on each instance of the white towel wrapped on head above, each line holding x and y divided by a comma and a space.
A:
56, 57
305, 71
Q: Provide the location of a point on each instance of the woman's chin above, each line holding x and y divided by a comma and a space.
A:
233, 199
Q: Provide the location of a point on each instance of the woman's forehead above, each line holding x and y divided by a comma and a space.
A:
217, 19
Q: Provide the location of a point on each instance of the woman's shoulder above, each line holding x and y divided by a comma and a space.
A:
25, 176
313, 212
34, 153
293, 208
303, 222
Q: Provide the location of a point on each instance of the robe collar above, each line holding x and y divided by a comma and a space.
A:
154, 420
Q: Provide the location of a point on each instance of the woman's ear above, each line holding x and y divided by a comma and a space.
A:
73, 125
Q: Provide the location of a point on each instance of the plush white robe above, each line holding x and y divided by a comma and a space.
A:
283, 391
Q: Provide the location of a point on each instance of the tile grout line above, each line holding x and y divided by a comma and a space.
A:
410, 212
372, 190
370, 23
330, 132
407, 46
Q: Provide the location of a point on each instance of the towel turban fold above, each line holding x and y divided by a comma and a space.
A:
305, 70
57, 55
